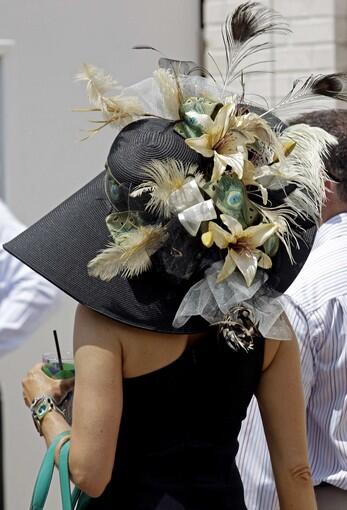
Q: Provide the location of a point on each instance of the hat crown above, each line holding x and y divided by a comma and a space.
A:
143, 141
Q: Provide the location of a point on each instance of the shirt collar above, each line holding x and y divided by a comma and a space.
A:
331, 229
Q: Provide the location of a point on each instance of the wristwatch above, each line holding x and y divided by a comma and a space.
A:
40, 407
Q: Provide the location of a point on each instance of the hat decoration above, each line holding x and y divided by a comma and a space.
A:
255, 181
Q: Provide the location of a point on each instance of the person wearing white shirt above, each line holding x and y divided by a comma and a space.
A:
316, 306
24, 297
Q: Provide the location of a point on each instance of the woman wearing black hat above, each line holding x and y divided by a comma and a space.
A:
156, 417
198, 193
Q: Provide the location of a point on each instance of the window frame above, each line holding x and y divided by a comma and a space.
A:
5, 46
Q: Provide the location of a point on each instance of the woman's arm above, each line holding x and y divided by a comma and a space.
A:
97, 406
97, 403
281, 403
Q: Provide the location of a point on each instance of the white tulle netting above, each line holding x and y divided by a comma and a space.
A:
152, 99
213, 301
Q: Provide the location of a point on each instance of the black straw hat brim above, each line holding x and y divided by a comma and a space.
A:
60, 245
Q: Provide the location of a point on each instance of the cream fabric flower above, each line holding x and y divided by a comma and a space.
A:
227, 136
226, 145
242, 244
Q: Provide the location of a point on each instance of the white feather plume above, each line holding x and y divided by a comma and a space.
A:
305, 168
284, 217
130, 255
167, 83
118, 110
165, 177
98, 84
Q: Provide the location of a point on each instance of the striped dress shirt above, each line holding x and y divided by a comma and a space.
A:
316, 305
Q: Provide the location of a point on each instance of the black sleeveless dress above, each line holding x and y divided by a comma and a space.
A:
178, 435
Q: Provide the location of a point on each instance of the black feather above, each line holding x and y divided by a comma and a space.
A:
331, 85
252, 19
145, 47
241, 28
178, 66
185, 67
315, 87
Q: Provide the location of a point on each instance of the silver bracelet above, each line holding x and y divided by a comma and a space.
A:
40, 407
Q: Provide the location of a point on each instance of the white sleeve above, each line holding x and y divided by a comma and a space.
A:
299, 323
254, 464
24, 295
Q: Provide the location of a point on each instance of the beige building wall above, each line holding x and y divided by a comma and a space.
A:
318, 43
43, 159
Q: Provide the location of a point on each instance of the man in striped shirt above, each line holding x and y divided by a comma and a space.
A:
316, 305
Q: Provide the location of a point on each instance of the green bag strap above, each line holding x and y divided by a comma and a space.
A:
65, 489
75, 497
69, 501
44, 477
83, 502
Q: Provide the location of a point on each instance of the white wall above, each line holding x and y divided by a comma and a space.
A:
318, 43
44, 159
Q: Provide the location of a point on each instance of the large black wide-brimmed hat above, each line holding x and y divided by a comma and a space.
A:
200, 190
61, 244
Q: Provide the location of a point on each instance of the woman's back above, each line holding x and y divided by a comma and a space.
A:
178, 436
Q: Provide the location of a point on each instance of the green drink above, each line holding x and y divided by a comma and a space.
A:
52, 368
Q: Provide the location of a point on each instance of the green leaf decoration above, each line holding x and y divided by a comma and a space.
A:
272, 245
189, 127
230, 197
120, 223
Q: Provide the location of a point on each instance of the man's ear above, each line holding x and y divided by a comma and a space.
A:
330, 187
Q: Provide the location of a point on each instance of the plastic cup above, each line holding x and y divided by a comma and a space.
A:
52, 368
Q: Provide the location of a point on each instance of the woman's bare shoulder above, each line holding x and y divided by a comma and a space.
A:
93, 328
142, 351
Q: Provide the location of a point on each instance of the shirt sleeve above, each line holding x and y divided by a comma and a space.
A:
24, 295
254, 464
300, 324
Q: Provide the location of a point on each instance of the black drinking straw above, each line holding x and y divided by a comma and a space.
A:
58, 350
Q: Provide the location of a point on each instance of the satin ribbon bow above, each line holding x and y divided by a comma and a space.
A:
191, 207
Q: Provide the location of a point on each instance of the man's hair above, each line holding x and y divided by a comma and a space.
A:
335, 123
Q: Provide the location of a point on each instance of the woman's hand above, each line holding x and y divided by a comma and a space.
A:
37, 383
